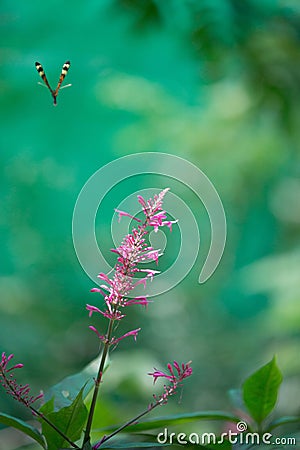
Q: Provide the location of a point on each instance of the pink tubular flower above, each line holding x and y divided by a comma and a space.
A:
123, 213
133, 250
114, 341
183, 371
93, 309
18, 392
133, 333
175, 379
138, 301
151, 210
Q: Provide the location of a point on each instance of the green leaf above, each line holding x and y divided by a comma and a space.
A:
20, 425
47, 407
283, 421
164, 421
67, 390
260, 391
69, 420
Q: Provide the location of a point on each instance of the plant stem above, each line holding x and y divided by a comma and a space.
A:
35, 411
97, 383
131, 421
52, 425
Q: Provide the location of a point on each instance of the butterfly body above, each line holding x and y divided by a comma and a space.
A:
64, 71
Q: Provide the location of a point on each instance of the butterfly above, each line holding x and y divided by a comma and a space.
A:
64, 72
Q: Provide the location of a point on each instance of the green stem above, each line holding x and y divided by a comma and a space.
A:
133, 421
87, 433
97, 383
130, 422
54, 427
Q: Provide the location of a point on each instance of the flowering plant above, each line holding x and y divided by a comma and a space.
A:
66, 420
70, 425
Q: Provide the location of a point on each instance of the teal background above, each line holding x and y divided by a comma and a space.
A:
216, 83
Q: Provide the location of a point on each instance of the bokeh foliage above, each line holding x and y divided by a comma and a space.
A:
215, 82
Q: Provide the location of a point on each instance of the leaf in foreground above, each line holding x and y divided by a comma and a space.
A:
70, 420
24, 427
260, 391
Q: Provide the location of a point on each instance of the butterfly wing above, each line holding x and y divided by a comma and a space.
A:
42, 74
64, 72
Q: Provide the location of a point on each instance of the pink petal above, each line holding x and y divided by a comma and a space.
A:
123, 213
92, 309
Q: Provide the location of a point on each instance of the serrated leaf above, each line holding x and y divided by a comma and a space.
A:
260, 391
177, 419
66, 390
20, 425
69, 420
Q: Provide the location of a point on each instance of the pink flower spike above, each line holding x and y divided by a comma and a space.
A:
170, 389
17, 391
133, 250
159, 374
183, 372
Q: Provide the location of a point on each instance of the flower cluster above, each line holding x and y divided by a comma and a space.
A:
133, 250
8, 381
175, 379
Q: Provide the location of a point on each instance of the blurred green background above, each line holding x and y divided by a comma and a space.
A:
215, 82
